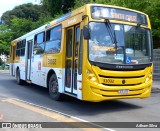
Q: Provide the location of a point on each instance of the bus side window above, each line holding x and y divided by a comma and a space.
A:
53, 40
14, 52
18, 46
39, 44
23, 44
10, 54
77, 40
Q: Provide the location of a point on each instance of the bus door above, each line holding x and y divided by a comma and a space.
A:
13, 48
71, 62
29, 55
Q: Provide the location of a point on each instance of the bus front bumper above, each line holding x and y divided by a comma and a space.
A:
99, 92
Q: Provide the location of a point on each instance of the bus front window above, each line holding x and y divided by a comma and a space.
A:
133, 44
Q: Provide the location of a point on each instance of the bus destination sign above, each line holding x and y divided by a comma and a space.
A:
99, 12
125, 17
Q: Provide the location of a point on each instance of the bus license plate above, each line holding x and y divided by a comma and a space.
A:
123, 91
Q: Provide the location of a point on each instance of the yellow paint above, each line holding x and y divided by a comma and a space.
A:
52, 60
98, 91
72, 21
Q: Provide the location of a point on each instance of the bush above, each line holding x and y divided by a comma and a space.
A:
1, 62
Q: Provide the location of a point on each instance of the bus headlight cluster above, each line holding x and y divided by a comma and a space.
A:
149, 77
91, 76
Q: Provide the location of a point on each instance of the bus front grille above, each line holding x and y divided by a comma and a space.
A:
122, 77
122, 84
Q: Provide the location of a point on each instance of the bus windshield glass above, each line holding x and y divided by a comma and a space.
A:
133, 44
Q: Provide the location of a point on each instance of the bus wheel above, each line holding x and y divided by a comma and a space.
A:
53, 88
19, 81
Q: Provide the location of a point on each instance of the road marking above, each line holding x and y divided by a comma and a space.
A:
59, 116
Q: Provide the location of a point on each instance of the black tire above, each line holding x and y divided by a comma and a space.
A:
53, 88
19, 81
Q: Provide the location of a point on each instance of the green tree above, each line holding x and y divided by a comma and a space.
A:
27, 11
17, 28
5, 37
19, 21
56, 7
4, 47
154, 13
1, 62
20, 26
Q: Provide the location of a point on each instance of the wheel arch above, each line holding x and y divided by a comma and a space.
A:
50, 73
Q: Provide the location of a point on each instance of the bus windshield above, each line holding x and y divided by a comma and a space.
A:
133, 44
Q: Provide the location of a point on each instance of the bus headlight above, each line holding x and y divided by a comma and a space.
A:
149, 77
91, 76
93, 79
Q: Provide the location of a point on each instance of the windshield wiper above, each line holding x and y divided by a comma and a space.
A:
111, 33
138, 25
137, 28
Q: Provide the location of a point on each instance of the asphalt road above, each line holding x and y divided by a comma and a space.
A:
126, 110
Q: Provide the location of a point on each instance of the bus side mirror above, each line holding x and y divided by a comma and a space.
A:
86, 32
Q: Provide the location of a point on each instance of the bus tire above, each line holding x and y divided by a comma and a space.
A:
53, 88
19, 81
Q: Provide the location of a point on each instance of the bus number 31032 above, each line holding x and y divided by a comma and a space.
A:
108, 81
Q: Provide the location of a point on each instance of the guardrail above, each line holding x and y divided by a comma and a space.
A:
156, 64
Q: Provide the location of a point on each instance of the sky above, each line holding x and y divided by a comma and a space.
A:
6, 5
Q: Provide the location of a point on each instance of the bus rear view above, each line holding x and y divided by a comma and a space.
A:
118, 60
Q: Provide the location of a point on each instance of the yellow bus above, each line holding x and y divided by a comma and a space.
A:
94, 53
